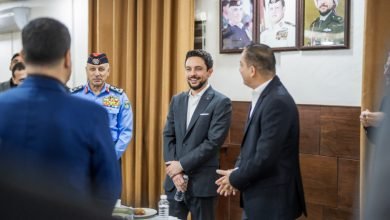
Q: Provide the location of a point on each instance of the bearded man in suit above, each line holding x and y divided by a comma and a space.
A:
197, 124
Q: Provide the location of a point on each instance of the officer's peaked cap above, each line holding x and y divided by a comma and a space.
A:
97, 58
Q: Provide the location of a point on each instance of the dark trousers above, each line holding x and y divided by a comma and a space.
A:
201, 208
120, 177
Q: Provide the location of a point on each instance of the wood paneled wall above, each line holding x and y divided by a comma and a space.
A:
329, 155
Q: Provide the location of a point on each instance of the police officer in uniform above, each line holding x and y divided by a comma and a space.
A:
328, 28
281, 33
113, 99
235, 35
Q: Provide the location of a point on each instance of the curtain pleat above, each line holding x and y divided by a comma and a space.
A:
146, 42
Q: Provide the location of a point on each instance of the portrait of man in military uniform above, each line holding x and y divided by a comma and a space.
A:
236, 24
328, 28
279, 31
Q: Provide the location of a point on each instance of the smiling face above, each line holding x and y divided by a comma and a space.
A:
276, 11
97, 74
197, 73
325, 6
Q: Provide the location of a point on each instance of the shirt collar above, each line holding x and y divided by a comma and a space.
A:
324, 17
200, 93
257, 92
106, 88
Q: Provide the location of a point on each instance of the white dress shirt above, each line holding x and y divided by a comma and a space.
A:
193, 101
256, 94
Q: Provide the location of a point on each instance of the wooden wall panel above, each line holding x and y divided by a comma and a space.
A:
319, 175
348, 183
240, 114
309, 119
340, 129
329, 155
336, 214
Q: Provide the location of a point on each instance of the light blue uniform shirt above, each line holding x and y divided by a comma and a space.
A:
115, 101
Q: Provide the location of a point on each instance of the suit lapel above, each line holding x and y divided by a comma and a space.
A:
274, 82
183, 113
203, 103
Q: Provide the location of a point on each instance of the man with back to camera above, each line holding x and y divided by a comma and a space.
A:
328, 28
197, 125
16, 79
234, 35
113, 99
281, 33
267, 171
45, 151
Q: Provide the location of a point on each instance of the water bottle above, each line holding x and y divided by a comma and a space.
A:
163, 208
179, 196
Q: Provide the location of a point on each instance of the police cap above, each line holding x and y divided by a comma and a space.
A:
97, 58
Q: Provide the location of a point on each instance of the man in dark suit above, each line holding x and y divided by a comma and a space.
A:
267, 172
54, 147
196, 127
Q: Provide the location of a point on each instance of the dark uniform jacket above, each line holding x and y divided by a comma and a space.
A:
327, 32
332, 24
234, 37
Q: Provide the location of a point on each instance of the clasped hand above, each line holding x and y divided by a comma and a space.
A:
224, 186
175, 171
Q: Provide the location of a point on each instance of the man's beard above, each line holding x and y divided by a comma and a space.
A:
325, 12
200, 85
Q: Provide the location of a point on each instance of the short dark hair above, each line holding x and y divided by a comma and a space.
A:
260, 56
14, 56
208, 60
45, 41
18, 66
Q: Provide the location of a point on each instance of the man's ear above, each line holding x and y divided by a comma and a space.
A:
68, 60
253, 71
211, 70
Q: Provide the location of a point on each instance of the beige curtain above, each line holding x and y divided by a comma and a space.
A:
376, 46
146, 42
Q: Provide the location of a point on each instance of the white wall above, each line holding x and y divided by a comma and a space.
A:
73, 13
326, 77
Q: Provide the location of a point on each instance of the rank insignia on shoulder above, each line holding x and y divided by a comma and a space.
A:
116, 89
76, 89
127, 105
111, 101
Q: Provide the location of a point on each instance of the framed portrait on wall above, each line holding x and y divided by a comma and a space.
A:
278, 23
236, 25
325, 24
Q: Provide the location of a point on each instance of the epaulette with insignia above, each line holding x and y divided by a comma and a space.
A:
76, 89
116, 89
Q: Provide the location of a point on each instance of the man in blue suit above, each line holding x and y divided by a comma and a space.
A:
267, 172
55, 146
